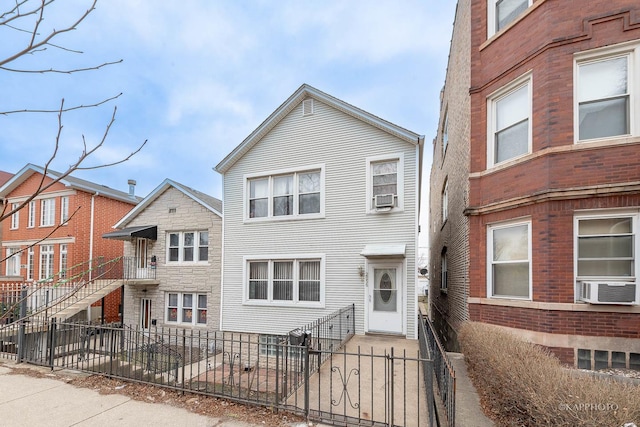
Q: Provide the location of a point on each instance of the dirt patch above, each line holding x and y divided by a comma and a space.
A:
199, 404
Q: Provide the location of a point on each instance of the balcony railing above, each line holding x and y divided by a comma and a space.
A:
135, 268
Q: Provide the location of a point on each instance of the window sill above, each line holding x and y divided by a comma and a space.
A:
284, 218
555, 306
187, 264
385, 212
282, 304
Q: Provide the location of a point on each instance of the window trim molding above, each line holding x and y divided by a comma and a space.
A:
15, 217
493, 98
489, 256
296, 258
603, 214
399, 156
631, 49
180, 307
31, 214
196, 248
491, 18
44, 212
289, 171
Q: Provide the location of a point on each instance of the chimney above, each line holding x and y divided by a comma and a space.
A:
132, 187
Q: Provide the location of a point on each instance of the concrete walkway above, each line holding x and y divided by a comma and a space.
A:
468, 410
30, 401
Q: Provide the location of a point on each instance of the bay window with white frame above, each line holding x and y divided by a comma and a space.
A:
509, 122
606, 245
501, 13
509, 260
284, 281
285, 195
606, 93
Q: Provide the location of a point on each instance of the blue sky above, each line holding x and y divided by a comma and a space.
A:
199, 75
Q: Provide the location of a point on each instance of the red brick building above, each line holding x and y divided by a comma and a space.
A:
63, 225
535, 192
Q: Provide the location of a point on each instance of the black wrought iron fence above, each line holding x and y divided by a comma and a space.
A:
443, 371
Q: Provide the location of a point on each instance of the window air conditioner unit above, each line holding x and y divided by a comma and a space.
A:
384, 201
609, 293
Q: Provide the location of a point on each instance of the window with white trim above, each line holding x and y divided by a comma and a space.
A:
15, 216
509, 260
444, 271
445, 132
605, 246
445, 200
32, 214
604, 95
46, 262
13, 261
47, 212
385, 183
186, 308
501, 13
285, 281
64, 209
188, 246
30, 262
63, 261
509, 122
284, 195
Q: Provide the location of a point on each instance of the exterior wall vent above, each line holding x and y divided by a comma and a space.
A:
307, 107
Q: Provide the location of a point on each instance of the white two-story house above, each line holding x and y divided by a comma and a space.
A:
321, 212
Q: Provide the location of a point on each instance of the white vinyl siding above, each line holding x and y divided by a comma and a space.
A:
342, 145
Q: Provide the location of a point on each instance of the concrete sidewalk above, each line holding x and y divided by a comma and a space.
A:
30, 401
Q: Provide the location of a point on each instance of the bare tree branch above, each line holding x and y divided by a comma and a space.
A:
51, 70
63, 110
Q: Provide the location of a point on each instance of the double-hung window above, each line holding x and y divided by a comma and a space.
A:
286, 194
188, 246
603, 96
445, 201
46, 262
385, 183
186, 308
444, 271
64, 209
30, 262
63, 261
15, 216
501, 13
47, 212
509, 260
285, 281
606, 247
13, 261
509, 121
32, 214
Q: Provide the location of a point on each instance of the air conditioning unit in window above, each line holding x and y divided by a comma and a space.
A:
596, 292
382, 201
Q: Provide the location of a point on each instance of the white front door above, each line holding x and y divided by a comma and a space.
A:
385, 299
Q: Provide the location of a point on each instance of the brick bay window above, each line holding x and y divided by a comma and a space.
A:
501, 13
605, 248
509, 260
285, 281
509, 123
186, 308
290, 194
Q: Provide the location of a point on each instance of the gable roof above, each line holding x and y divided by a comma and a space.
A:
4, 177
306, 91
209, 202
68, 181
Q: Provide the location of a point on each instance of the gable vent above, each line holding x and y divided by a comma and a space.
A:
307, 107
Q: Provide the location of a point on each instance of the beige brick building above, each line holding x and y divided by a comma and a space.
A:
173, 248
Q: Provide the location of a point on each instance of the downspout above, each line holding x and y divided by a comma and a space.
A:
93, 197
